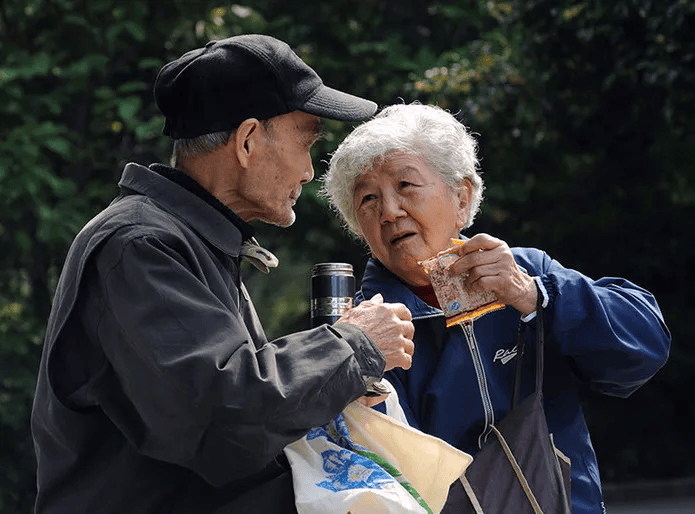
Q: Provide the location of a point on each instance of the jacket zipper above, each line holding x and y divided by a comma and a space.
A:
482, 382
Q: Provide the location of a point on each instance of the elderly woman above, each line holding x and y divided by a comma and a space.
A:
406, 183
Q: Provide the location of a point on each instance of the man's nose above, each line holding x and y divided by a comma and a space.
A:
308, 172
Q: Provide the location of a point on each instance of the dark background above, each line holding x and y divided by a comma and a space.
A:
584, 112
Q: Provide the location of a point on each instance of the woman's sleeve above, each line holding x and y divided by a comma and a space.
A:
612, 329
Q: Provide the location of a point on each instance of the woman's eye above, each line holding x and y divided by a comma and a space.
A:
403, 183
366, 198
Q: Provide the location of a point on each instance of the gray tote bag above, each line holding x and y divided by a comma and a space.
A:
518, 470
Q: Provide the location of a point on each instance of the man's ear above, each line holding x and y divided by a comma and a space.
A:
246, 140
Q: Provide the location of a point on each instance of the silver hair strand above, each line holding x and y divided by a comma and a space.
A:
427, 131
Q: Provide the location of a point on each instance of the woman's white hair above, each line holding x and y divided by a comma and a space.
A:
423, 130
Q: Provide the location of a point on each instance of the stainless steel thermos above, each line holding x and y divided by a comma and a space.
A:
332, 291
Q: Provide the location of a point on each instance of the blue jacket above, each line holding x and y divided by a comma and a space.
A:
608, 333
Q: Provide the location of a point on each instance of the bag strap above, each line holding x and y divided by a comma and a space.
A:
521, 347
519, 473
468, 488
470, 492
540, 339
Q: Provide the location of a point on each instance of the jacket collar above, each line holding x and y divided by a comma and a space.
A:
378, 279
207, 220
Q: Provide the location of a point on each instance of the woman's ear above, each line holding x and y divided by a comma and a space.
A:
464, 193
245, 140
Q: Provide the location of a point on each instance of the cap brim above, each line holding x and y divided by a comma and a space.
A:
336, 105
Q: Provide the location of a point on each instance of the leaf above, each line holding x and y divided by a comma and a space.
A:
146, 64
23, 241
129, 107
135, 30
132, 87
88, 64
59, 145
103, 93
30, 66
112, 34
38, 64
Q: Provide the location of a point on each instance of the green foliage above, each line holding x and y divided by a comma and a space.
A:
20, 339
75, 104
586, 123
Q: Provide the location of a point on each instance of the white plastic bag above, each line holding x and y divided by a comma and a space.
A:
430, 464
364, 462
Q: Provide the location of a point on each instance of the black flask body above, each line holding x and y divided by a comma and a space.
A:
332, 291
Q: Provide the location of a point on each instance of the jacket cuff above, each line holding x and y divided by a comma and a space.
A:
542, 290
368, 356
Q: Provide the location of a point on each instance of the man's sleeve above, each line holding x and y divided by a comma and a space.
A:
194, 387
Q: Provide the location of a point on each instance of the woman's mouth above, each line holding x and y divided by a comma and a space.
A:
401, 237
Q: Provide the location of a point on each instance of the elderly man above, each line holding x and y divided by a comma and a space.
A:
158, 390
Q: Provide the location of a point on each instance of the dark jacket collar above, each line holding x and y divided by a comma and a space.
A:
378, 279
190, 202
187, 182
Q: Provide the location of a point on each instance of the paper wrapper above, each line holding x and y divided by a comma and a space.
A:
458, 303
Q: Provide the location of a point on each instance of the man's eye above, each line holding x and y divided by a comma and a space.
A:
403, 183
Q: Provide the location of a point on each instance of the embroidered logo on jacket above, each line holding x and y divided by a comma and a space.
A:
504, 356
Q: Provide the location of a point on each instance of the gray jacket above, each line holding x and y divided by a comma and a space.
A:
158, 390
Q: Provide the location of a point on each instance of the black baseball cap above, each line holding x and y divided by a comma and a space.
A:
215, 88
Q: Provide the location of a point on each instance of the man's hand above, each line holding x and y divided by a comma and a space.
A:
389, 326
491, 266
371, 401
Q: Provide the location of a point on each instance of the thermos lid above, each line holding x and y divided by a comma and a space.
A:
332, 268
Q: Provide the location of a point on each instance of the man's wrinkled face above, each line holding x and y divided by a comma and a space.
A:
407, 213
283, 166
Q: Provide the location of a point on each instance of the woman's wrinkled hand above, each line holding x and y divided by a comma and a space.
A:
490, 265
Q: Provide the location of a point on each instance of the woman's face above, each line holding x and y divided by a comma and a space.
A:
407, 213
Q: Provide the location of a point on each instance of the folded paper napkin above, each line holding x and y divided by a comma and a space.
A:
364, 462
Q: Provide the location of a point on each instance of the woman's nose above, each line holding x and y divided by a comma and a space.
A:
391, 209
